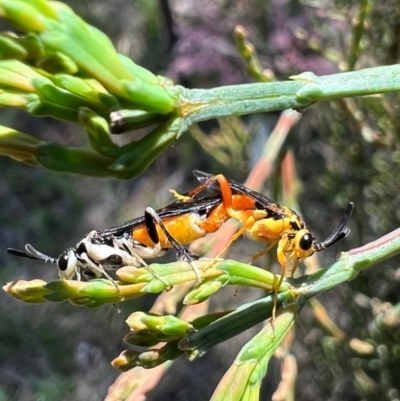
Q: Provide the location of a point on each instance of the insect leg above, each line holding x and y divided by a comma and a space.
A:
285, 263
245, 227
151, 216
220, 179
226, 194
78, 275
97, 269
137, 261
179, 196
263, 252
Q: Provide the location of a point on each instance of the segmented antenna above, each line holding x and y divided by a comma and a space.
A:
31, 253
340, 232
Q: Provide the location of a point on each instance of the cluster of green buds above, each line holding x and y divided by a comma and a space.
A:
191, 338
69, 70
134, 282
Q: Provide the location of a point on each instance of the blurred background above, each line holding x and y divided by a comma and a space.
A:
337, 152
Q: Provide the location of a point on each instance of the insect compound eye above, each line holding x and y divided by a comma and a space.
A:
63, 261
306, 242
67, 263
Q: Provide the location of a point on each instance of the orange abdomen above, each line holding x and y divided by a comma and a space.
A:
183, 228
189, 227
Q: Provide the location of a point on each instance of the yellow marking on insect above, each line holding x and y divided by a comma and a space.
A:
180, 197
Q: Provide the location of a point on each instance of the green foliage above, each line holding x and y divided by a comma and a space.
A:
55, 70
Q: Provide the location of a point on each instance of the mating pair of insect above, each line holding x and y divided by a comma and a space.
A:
189, 218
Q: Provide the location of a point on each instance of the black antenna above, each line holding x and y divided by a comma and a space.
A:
340, 232
32, 253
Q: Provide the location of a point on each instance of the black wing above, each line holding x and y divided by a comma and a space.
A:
178, 208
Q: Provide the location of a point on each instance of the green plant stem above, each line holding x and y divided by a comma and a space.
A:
349, 265
231, 325
304, 90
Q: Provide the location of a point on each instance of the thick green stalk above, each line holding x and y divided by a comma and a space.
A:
304, 90
240, 320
